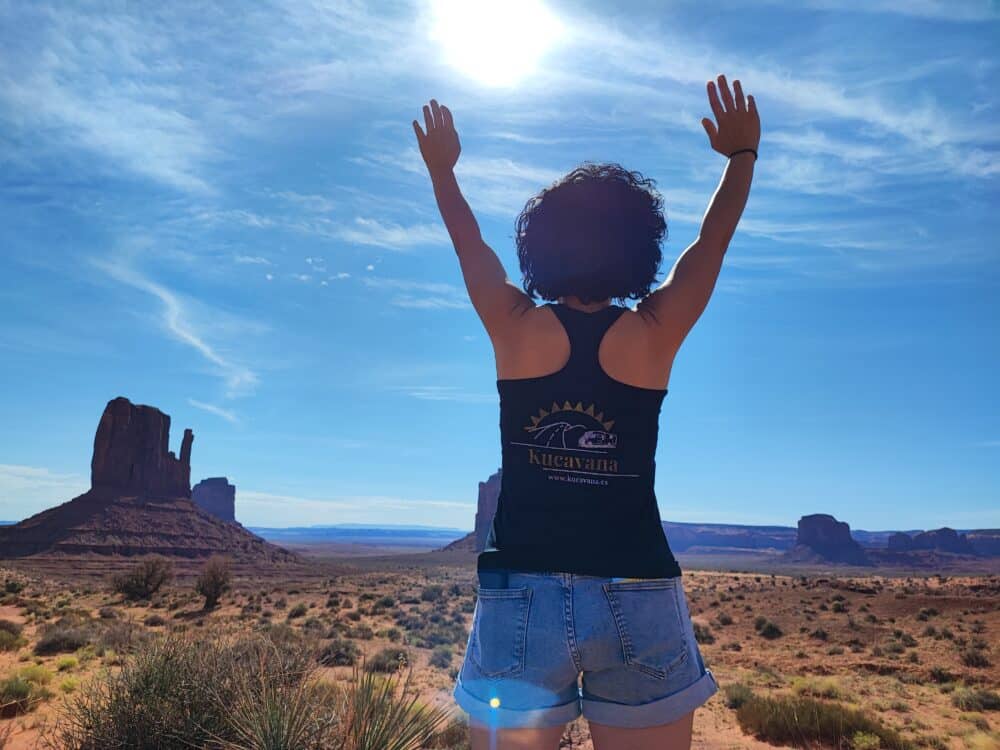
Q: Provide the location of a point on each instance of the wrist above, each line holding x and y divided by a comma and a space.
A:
438, 173
744, 151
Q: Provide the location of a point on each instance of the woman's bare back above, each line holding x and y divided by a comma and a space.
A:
538, 346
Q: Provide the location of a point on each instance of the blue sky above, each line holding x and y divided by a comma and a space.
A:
223, 212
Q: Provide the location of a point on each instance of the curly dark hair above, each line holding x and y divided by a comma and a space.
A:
595, 234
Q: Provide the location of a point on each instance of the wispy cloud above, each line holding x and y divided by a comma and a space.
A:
265, 508
253, 260
939, 10
437, 295
26, 490
444, 393
218, 411
375, 233
177, 323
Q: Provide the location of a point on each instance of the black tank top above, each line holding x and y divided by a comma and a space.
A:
576, 487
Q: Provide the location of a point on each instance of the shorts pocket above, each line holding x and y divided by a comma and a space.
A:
654, 636
499, 631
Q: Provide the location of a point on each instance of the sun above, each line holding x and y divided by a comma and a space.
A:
497, 43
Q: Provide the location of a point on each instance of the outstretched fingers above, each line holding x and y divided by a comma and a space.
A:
713, 100
741, 104
727, 95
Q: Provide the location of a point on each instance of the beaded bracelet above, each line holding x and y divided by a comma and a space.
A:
742, 150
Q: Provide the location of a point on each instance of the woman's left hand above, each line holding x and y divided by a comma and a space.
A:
439, 147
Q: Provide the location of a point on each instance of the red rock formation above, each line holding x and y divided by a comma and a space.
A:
131, 453
486, 508
139, 502
822, 538
216, 496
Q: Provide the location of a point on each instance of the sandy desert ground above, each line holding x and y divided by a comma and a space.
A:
917, 653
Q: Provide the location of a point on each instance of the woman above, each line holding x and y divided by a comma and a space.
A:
581, 608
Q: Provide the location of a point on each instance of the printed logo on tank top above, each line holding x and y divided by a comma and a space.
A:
572, 443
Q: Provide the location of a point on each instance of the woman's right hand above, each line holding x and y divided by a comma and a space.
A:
739, 123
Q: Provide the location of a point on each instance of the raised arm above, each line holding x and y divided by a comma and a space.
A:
675, 306
493, 296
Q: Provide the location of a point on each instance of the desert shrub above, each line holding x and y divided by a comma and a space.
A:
11, 627
441, 657
144, 579
771, 631
376, 715
155, 621
9, 641
361, 632
819, 687
11, 586
454, 736
736, 694
819, 633
299, 610
214, 580
703, 633
972, 657
107, 613
16, 696
976, 699
724, 618
339, 652
802, 721
432, 593
940, 674
36, 674
66, 663
387, 660
252, 693
66, 635
865, 741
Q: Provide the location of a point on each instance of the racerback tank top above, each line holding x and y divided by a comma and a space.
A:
578, 467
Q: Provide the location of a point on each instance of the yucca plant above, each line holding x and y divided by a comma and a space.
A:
371, 716
273, 703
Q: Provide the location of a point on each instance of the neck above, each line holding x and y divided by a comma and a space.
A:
576, 304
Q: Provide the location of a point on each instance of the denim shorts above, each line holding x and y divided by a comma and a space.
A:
554, 646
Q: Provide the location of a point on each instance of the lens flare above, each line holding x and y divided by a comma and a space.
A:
495, 43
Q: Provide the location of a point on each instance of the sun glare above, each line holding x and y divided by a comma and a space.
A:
497, 43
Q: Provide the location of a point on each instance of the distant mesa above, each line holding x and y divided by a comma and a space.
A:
486, 508
822, 538
942, 540
216, 496
139, 502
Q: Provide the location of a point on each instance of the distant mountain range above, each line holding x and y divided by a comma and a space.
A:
431, 537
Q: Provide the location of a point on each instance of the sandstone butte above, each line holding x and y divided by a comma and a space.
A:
139, 502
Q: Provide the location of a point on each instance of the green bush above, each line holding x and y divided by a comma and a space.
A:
339, 652
66, 635
432, 593
799, 721
737, 694
213, 581
16, 695
703, 633
976, 699
441, 657
387, 660
144, 579
771, 631
252, 693
9, 641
